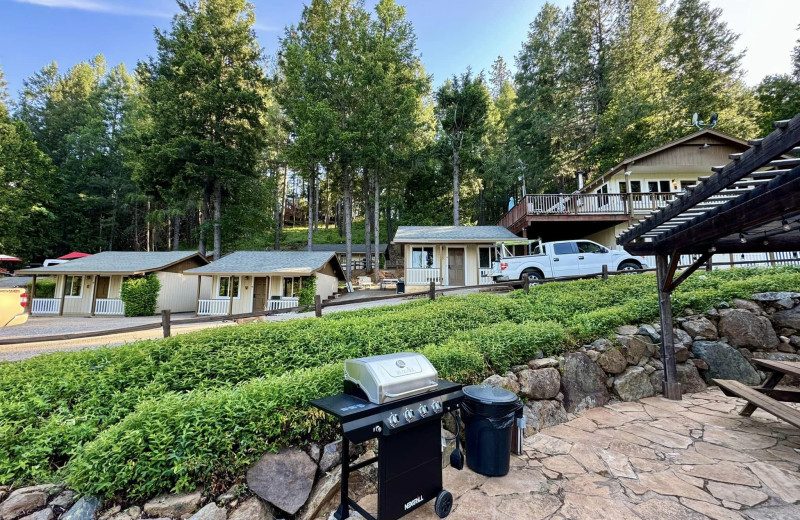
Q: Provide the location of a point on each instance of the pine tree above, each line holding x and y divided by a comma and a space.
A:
499, 76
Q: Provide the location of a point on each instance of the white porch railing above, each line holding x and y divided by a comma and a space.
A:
283, 303
485, 276
46, 306
213, 307
109, 307
422, 276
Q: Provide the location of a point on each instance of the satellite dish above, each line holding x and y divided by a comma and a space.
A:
713, 121
694, 119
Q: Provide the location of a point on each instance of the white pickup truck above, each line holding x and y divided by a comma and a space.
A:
558, 259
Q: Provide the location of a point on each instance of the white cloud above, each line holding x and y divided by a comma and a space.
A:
98, 7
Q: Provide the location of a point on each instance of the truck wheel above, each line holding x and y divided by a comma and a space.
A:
629, 266
532, 275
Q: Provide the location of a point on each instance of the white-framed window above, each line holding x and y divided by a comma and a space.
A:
486, 255
224, 287
73, 286
421, 257
292, 286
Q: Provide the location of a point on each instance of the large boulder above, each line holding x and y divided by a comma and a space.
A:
700, 328
18, 504
613, 361
543, 414
725, 362
283, 479
633, 384
539, 384
174, 506
775, 296
583, 383
745, 329
503, 382
84, 509
689, 378
636, 346
789, 319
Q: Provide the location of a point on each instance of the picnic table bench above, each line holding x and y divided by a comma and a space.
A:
766, 396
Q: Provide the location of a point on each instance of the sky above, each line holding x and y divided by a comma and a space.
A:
452, 34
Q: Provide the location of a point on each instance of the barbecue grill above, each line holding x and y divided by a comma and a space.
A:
400, 400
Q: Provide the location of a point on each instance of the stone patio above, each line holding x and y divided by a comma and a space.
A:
652, 459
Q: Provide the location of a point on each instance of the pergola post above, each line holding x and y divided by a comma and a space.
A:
197, 301
94, 295
63, 294
671, 388
230, 291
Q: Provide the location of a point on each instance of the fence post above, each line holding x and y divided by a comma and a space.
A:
433, 290
526, 284
605, 272
318, 305
165, 322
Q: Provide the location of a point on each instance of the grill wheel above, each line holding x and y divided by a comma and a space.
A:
444, 503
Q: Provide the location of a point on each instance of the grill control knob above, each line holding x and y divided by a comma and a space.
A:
394, 419
437, 406
409, 415
423, 410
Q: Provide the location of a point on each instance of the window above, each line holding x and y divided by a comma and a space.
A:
421, 257
636, 186
225, 286
292, 286
652, 186
73, 286
487, 256
564, 248
686, 184
623, 187
664, 186
590, 247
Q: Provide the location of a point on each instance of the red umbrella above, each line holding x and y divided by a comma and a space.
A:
6, 258
73, 255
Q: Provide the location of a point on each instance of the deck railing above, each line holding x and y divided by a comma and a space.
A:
485, 276
109, 307
423, 275
46, 306
213, 307
283, 303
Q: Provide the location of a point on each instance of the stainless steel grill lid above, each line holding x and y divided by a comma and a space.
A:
392, 376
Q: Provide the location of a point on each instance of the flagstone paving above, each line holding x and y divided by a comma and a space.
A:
693, 459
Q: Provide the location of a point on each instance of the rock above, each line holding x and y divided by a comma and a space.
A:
786, 347
657, 381
794, 340
543, 363
774, 296
701, 328
252, 509
43, 514
689, 378
132, 513
18, 504
501, 382
583, 383
234, 492
789, 319
649, 331
331, 456
593, 354
649, 369
633, 384
543, 414
700, 364
84, 509
314, 451
637, 347
725, 362
627, 330
327, 487
681, 337
210, 512
613, 361
105, 515
746, 305
786, 303
174, 506
64, 499
539, 384
745, 329
283, 479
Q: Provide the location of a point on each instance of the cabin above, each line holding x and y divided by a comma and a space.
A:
449, 255
250, 281
91, 285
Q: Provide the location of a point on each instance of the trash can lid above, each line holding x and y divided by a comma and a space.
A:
489, 394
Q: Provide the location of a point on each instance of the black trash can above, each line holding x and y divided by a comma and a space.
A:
401, 287
489, 415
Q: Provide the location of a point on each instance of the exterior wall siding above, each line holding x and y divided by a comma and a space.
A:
178, 292
327, 285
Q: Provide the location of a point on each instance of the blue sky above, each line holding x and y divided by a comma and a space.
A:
452, 34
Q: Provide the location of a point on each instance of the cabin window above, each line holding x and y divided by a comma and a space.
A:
292, 286
73, 286
224, 290
487, 256
623, 187
636, 186
421, 257
686, 184
664, 186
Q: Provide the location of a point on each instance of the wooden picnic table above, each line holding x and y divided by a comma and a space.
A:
766, 396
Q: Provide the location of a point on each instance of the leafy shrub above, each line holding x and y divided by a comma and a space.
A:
308, 291
140, 295
44, 288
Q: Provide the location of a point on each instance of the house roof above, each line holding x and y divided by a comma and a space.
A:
342, 248
286, 263
118, 262
452, 234
598, 181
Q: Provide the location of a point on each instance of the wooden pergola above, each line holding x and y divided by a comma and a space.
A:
750, 205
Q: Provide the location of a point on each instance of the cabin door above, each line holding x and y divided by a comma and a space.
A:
101, 291
260, 286
455, 266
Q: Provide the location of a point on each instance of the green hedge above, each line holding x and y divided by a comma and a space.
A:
44, 288
308, 291
140, 295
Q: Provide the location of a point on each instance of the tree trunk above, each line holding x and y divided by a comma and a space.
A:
327, 198
376, 226
217, 220
456, 196
311, 197
278, 207
147, 226
176, 232
282, 221
203, 219
316, 202
367, 213
348, 221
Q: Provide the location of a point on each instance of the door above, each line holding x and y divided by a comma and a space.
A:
101, 291
259, 294
455, 266
565, 259
591, 257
